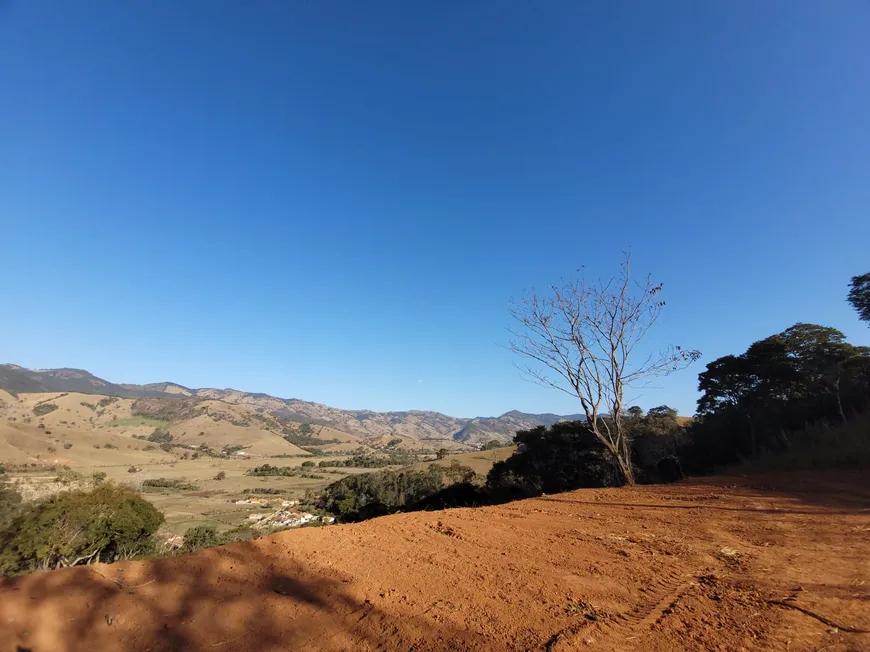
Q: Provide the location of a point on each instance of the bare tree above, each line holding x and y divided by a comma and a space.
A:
582, 338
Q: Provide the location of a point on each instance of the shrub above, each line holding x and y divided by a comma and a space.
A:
166, 483
166, 446
308, 463
165, 408
221, 475
160, 436
44, 408
562, 457
359, 497
10, 501
67, 446
98, 476
67, 476
201, 536
239, 533
76, 527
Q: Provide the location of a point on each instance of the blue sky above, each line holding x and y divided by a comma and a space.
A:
336, 201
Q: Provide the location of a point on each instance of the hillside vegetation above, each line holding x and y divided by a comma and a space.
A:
411, 426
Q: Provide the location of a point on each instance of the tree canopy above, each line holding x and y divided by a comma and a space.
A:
859, 296
77, 527
778, 385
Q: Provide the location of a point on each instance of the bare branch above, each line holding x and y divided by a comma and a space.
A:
580, 338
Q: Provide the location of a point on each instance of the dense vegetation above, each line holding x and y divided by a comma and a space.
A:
44, 408
75, 527
762, 400
166, 483
358, 497
167, 409
302, 435
365, 460
283, 471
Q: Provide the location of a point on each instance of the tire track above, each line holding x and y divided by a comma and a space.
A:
617, 631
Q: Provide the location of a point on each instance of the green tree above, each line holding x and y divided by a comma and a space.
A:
751, 401
859, 296
635, 412
567, 455
105, 524
200, 536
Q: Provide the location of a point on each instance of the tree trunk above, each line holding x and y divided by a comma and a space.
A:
839, 399
624, 467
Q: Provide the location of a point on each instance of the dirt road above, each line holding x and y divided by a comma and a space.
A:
772, 563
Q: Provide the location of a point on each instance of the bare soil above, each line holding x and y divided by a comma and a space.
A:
779, 562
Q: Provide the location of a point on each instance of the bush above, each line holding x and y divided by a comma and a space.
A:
359, 497
562, 457
221, 475
67, 446
240, 533
44, 408
68, 476
282, 471
365, 460
10, 501
201, 536
165, 408
165, 483
106, 524
308, 463
160, 436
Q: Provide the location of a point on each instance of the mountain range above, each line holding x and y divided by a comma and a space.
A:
414, 424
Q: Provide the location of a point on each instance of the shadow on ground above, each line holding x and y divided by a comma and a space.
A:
229, 598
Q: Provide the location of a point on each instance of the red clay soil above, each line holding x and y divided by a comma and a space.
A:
772, 563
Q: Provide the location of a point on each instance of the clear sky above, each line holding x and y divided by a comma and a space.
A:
336, 200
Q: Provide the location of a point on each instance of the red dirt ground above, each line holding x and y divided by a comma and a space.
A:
773, 563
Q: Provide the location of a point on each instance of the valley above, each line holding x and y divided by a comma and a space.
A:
202, 443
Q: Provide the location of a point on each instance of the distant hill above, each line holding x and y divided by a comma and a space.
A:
503, 427
419, 425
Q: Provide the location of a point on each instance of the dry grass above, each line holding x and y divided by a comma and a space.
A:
480, 461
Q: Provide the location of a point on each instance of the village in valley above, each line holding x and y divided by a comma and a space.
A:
285, 516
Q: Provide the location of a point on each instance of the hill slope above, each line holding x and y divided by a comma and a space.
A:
414, 424
692, 566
